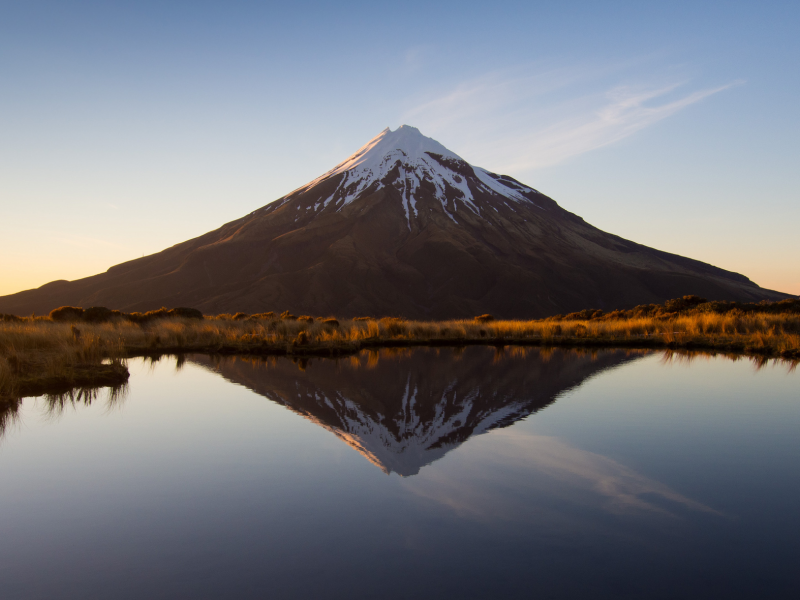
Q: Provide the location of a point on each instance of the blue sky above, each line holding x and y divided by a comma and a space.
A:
126, 128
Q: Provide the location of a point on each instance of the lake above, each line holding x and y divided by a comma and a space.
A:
426, 473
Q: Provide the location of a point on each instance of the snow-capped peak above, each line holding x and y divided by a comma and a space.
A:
405, 139
417, 158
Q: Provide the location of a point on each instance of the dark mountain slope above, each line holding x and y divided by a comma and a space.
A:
403, 227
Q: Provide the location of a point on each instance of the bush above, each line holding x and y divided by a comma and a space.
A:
98, 314
687, 302
643, 310
266, 315
151, 315
287, 316
484, 318
306, 319
584, 315
240, 316
66, 313
330, 322
186, 313
12, 318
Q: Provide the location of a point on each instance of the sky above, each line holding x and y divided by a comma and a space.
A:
128, 127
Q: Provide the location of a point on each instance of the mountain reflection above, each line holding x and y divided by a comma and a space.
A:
404, 409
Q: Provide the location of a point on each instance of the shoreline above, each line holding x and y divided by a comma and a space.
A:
322, 350
41, 354
116, 374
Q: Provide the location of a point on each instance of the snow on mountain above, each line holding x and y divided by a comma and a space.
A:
416, 158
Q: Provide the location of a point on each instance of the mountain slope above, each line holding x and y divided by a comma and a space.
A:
402, 227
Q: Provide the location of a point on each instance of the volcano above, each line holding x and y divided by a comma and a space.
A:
403, 227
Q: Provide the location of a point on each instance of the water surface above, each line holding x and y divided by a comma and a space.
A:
430, 473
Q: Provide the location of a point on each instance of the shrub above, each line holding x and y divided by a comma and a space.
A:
614, 314
148, 316
287, 316
186, 313
306, 319
66, 313
484, 318
687, 302
643, 310
97, 314
12, 318
330, 322
584, 315
240, 316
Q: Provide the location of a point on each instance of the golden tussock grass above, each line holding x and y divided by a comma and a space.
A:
35, 353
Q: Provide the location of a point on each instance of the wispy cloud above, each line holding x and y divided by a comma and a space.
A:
626, 111
553, 473
536, 118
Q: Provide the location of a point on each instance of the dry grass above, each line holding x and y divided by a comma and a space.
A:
35, 353
38, 355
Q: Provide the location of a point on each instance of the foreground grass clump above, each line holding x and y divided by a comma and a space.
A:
85, 347
39, 356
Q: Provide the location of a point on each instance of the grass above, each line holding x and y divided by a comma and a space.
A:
39, 354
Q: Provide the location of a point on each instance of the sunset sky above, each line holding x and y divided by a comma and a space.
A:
128, 127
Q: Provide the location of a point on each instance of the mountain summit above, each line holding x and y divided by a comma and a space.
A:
405, 159
402, 227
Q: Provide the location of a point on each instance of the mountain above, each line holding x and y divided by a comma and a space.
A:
403, 227
405, 409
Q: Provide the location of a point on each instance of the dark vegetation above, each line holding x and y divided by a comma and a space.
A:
101, 314
688, 305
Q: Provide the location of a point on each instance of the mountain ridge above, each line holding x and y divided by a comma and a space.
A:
402, 227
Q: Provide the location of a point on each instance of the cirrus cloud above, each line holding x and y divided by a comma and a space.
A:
540, 117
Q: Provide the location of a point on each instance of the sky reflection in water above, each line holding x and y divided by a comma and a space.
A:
522, 473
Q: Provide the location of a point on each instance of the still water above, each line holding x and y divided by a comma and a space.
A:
429, 473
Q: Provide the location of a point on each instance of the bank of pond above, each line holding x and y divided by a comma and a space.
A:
73, 346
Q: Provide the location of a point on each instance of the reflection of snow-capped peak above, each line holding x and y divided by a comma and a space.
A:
404, 443
406, 411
